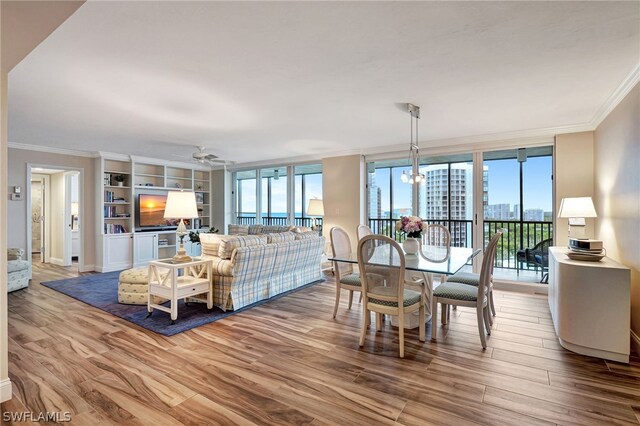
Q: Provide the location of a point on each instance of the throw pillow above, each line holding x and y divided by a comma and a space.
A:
227, 247
210, 243
307, 236
255, 229
238, 229
280, 237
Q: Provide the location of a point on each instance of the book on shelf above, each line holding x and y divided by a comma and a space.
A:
114, 228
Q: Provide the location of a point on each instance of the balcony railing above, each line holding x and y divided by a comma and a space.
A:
460, 230
278, 220
518, 235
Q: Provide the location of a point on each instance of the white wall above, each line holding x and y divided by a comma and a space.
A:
18, 160
343, 195
573, 176
57, 220
617, 192
5, 383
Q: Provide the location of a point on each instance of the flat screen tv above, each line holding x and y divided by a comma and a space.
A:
150, 212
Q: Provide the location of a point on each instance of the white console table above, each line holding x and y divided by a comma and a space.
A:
590, 305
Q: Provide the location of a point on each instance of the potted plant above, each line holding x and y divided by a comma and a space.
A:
119, 179
194, 236
412, 227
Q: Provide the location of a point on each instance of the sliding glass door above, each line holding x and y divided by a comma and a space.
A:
520, 200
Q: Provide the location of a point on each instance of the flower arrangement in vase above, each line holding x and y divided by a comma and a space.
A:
412, 227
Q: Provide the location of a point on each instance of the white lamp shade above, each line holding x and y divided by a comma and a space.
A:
577, 207
181, 205
315, 207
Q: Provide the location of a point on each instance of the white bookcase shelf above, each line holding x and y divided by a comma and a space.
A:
120, 246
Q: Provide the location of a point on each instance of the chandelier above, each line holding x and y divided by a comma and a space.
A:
414, 151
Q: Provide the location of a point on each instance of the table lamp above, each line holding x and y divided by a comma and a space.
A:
315, 208
181, 205
576, 210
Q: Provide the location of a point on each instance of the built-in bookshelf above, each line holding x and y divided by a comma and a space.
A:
120, 181
116, 197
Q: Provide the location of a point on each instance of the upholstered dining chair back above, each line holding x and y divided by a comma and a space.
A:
380, 280
363, 231
341, 246
437, 235
488, 261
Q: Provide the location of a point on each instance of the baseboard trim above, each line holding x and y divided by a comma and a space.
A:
521, 287
87, 268
56, 261
5, 390
635, 343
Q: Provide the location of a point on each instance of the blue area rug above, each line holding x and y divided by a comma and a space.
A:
101, 291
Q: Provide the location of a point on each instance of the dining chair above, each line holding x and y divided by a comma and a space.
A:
383, 286
346, 278
459, 294
363, 231
473, 279
437, 235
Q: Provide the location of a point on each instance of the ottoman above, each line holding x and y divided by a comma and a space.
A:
133, 287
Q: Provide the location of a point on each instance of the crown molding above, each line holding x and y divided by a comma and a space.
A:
504, 140
52, 150
617, 96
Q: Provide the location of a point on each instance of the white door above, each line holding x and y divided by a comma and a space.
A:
145, 248
68, 244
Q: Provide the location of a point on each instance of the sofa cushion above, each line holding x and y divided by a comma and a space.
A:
255, 229
210, 243
238, 230
280, 237
302, 229
227, 246
307, 236
271, 229
17, 265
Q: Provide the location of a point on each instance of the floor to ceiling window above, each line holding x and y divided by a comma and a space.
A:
308, 185
445, 197
245, 197
273, 206
520, 200
277, 200
388, 197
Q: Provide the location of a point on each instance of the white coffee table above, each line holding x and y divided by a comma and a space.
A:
194, 280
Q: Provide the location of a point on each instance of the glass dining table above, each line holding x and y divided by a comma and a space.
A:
429, 261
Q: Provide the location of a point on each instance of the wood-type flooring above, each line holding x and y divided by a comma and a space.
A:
289, 362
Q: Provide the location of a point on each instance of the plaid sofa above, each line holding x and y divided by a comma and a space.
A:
259, 270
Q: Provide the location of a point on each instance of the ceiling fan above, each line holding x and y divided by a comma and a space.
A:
203, 157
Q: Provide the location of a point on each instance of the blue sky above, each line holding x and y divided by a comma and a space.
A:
503, 184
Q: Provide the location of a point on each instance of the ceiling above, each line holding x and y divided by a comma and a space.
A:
267, 80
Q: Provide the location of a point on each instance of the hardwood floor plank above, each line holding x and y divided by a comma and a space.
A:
289, 362
201, 411
550, 411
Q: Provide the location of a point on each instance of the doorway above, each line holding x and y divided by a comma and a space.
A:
54, 206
